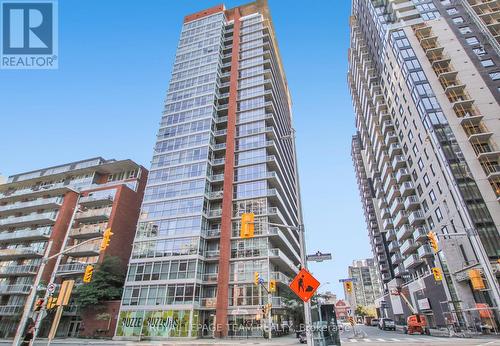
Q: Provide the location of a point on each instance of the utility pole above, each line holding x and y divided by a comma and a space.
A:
31, 298
56, 266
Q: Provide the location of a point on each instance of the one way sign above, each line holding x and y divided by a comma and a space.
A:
304, 285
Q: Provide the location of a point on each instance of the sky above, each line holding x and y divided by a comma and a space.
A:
106, 98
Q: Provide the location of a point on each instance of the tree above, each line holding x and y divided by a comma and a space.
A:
360, 311
294, 307
107, 283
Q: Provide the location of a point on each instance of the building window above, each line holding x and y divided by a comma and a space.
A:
438, 213
420, 164
452, 11
487, 63
465, 30
479, 51
425, 205
419, 190
495, 75
458, 20
432, 170
432, 196
472, 40
430, 222
426, 180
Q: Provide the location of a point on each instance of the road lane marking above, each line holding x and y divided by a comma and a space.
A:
353, 340
381, 339
394, 339
367, 340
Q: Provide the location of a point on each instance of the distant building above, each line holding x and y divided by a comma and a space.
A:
366, 283
342, 309
329, 297
64, 205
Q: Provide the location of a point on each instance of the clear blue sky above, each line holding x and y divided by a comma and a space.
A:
106, 99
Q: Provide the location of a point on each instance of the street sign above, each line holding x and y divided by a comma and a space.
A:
304, 285
348, 279
51, 287
319, 257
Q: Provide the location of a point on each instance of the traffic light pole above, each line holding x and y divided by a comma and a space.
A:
29, 301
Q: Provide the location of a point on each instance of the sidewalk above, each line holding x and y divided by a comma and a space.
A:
278, 341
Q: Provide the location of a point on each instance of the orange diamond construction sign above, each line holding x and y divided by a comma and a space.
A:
304, 285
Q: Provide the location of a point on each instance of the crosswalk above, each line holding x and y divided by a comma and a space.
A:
426, 340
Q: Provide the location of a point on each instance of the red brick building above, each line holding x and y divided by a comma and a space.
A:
65, 205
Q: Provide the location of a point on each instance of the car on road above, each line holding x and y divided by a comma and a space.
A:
374, 322
386, 324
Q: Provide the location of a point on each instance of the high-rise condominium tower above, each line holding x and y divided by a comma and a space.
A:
224, 147
425, 78
366, 283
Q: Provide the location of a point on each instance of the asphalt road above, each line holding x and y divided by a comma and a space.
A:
375, 336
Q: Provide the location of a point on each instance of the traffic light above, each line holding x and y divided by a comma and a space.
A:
348, 286
247, 225
433, 240
87, 276
51, 303
272, 286
256, 278
476, 279
38, 304
105, 239
438, 276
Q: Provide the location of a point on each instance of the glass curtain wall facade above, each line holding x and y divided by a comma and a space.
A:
224, 147
424, 99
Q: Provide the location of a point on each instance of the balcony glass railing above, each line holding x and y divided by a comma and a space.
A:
19, 269
28, 218
42, 232
29, 204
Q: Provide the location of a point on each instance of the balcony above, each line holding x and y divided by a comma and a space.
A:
400, 218
424, 251
41, 203
389, 181
403, 174
379, 249
387, 224
408, 247
71, 268
212, 255
213, 195
280, 277
400, 270
393, 246
28, 220
94, 215
393, 193
396, 206
282, 259
11, 310
384, 267
390, 235
88, 231
398, 162
391, 137
18, 270
412, 203
42, 233
395, 149
386, 277
85, 250
98, 199
412, 261
20, 252
396, 258
407, 188
210, 278
381, 203
15, 289
387, 126
35, 191
214, 213
416, 218
385, 213
420, 233
404, 232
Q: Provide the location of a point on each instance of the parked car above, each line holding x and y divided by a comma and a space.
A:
386, 324
374, 322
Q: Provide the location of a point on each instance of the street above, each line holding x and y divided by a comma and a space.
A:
375, 336
371, 335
